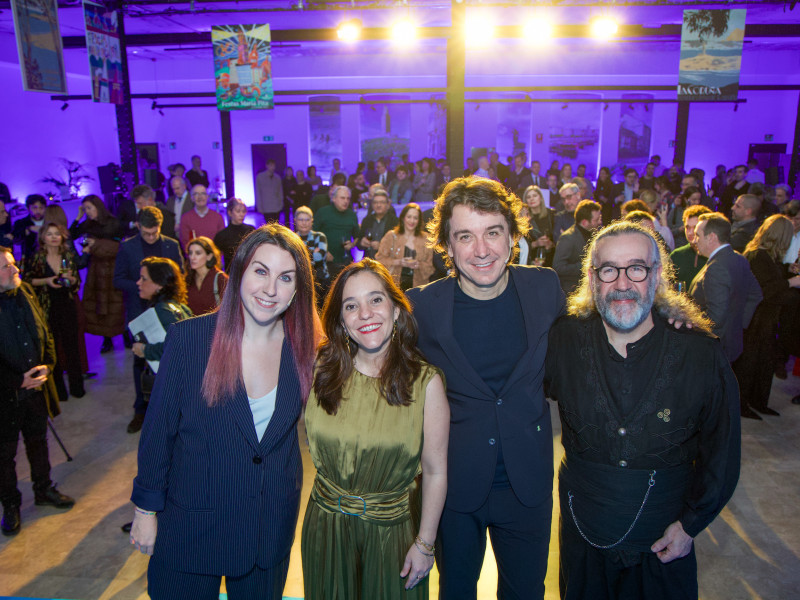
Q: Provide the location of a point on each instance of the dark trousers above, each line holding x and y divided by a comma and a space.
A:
587, 573
139, 365
520, 539
263, 584
63, 322
27, 415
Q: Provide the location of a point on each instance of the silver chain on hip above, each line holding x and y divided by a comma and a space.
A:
650, 485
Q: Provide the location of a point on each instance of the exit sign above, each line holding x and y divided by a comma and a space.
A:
269, 138
768, 137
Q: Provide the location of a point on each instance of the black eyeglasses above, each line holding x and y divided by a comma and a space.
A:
635, 273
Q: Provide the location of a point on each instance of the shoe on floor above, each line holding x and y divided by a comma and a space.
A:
127, 527
769, 411
749, 413
89, 375
77, 392
11, 521
107, 346
52, 497
136, 423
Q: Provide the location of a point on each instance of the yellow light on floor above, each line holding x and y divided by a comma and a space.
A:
349, 31
538, 32
604, 28
479, 31
404, 32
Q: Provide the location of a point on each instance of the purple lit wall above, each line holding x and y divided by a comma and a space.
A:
36, 132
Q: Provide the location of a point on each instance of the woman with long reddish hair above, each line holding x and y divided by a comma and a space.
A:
377, 419
218, 488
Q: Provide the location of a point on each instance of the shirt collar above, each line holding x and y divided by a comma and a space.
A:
710, 256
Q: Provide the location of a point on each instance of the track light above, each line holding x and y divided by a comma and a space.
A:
564, 106
65, 106
538, 31
735, 107
404, 32
604, 28
161, 112
349, 31
479, 31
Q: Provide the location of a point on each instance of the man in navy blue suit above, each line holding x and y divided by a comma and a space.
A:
148, 242
486, 328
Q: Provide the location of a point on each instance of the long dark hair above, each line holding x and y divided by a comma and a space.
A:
301, 323
400, 229
102, 212
166, 273
212, 263
403, 362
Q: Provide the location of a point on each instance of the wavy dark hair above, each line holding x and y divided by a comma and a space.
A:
208, 247
400, 228
166, 273
484, 196
403, 362
102, 211
301, 322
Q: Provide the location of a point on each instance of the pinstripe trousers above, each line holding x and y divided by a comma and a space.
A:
259, 584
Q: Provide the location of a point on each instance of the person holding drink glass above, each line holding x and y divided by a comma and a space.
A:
405, 252
540, 237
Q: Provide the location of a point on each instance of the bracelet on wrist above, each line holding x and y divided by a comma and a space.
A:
424, 544
148, 513
422, 551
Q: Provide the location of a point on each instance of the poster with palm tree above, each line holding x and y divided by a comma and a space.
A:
711, 55
41, 55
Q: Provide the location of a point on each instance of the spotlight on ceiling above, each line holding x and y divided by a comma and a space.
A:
538, 31
349, 31
65, 106
604, 28
161, 112
404, 32
153, 106
479, 31
564, 106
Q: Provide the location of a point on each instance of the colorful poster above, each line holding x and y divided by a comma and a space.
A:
635, 131
385, 128
325, 130
711, 55
41, 55
574, 132
102, 43
242, 66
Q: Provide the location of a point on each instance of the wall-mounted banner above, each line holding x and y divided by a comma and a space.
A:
102, 42
41, 55
711, 54
242, 66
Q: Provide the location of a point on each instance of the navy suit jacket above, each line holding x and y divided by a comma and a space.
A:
128, 266
519, 416
226, 501
728, 292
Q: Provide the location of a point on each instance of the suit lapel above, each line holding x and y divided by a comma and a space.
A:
286, 404
444, 334
530, 331
239, 408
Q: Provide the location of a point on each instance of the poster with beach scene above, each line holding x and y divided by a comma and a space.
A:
711, 55
41, 55
242, 66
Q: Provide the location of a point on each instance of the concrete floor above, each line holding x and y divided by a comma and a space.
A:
752, 551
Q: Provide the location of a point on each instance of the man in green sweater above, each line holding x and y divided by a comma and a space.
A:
686, 259
339, 223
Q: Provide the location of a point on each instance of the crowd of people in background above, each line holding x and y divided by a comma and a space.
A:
731, 245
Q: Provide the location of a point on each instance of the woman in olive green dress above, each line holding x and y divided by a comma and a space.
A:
373, 402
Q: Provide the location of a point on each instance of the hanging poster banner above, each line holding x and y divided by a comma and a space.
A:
242, 66
711, 55
102, 43
41, 55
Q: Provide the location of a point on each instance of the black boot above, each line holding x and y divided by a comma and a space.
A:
107, 346
11, 521
52, 497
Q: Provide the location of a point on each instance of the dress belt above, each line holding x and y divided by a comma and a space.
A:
384, 508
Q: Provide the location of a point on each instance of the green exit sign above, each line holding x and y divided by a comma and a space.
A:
269, 138
768, 137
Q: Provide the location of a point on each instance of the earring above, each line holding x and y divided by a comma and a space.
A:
394, 331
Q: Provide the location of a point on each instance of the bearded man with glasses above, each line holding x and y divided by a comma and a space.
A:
650, 425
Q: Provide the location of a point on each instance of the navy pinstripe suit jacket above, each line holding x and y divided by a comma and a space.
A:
225, 500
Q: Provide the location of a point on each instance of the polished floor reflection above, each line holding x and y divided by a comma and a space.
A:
751, 552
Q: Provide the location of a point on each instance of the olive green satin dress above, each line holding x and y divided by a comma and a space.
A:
367, 458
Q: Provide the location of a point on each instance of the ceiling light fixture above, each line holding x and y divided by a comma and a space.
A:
404, 32
349, 31
538, 31
604, 28
479, 31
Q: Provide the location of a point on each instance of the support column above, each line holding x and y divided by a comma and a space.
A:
125, 132
227, 152
456, 59
681, 133
794, 165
